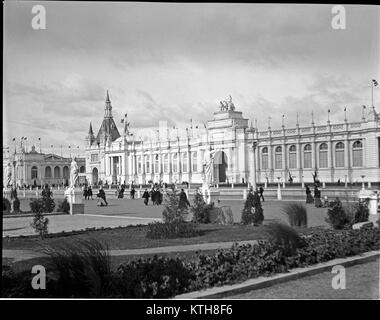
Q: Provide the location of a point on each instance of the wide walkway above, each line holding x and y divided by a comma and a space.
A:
124, 212
362, 282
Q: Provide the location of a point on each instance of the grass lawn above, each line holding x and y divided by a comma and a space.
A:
134, 237
362, 282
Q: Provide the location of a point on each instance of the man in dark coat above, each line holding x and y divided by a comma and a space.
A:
261, 191
102, 196
309, 197
183, 202
89, 193
146, 197
85, 193
317, 197
133, 191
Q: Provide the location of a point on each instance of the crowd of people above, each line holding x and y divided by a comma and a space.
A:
155, 194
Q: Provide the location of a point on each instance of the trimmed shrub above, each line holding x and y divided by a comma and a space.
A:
200, 209
47, 201
170, 230
172, 211
361, 212
6, 205
16, 205
40, 224
36, 205
155, 277
64, 206
297, 214
336, 216
252, 212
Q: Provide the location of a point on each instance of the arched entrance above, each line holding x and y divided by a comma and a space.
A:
220, 167
95, 176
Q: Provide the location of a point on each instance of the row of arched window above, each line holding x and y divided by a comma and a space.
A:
57, 172
357, 156
179, 163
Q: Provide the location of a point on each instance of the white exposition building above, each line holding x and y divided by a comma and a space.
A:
346, 152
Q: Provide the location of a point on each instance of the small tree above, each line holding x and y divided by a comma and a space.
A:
47, 201
200, 209
172, 211
40, 224
253, 211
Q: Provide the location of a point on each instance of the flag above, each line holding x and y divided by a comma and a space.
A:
14, 139
345, 109
39, 139
364, 106
328, 110
374, 82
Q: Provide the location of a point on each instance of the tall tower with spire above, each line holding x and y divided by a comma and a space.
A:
90, 137
108, 129
107, 107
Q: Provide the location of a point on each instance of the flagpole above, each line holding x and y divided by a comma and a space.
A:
372, 93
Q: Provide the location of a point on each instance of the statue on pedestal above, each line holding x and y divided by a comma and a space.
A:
74, 170
208, 168
8, 174
126, 125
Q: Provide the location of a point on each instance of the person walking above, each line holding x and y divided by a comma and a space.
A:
133, 191
102, 196
261, 193
146, 197
309, 197
317, 197
89, 193
85, 192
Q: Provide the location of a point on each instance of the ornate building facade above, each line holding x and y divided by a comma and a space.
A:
32, 168
347, 151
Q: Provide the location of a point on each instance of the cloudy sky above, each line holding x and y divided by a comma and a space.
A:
174, 62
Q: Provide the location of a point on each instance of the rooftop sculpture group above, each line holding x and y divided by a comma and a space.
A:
227, 105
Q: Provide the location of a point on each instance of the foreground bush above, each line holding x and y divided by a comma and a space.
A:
265, 258
285, 238
80, 270
170, 230
297, 214
153, 278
